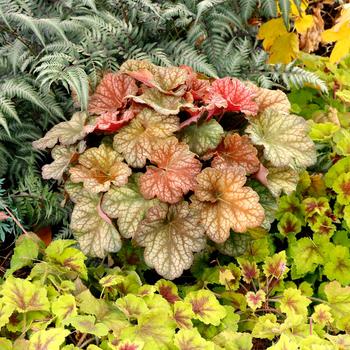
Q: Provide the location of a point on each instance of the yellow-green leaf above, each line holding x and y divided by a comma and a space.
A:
66, 133
24, 295
285, 139
48, 340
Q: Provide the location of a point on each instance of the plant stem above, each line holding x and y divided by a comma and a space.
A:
15, 220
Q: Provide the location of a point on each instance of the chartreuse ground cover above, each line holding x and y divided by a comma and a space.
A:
63, 304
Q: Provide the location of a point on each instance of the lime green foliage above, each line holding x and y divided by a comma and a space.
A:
110, 309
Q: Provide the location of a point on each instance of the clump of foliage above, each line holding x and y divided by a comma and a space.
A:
166, 152
59, 303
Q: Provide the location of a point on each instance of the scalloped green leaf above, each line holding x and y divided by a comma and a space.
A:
132, 306
186, 339
88, 324
24, 295
64, 307
206, 307
183, 314
230, 340
340, 167
285, 139
94, 231
48, 340
170, 234
203, 137
127, 204
26, 250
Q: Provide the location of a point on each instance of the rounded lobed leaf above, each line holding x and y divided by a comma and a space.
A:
204, 137
236, 151
285, 139
66, 133
162, 103
165, 79
135, 141
93, 229
206, 307
271, 99
110, 95
224, 203
175, 172
170, 234
62, 156
127, 204
230, 95
99, 168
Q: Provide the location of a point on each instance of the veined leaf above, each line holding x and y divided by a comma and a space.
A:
230, 95
110, 95
170, 235
88, 324
168, 290
282, 180
94, 231
236, 151
99, 168
26, 250
271, 99
155, 329
175, 172
64, 307
183, 314
339, 300
127, 204
24, 295
322, 314
48, 340
204, 137
284, 137
223, 203
6, 311
293, 302
231, 340
136, 141
165, 79
66, 133
132, 306
187, 339
62, 156
161, 103
206, 307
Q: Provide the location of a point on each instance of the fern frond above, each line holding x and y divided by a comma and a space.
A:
184, 53
247, 8
268, 8
293, 76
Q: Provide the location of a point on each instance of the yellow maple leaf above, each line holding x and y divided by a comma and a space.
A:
284, 49
339, 33
282, 45
303, 23
270, 31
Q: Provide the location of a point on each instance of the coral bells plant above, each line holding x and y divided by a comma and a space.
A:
162, 156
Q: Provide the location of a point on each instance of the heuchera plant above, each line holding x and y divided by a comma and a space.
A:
162, 156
